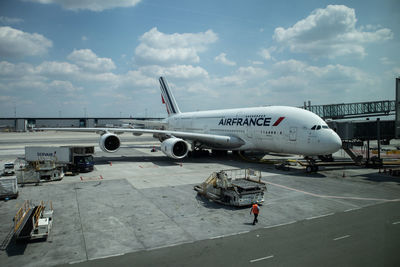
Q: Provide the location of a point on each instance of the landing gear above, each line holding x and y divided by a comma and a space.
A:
312, 166
197, 153
219, 153
326, 158
198, 150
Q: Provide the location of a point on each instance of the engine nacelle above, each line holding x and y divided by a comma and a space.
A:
175, 148
109, 142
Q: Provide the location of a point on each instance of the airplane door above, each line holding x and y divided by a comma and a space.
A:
292, 133
249, 132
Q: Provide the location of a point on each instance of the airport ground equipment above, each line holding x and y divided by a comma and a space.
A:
75, 158
8, 169
39, 171
33, 221
8, 187
235, 187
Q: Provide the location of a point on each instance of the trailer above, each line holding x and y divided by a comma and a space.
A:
234, 187
75, 158
8, 187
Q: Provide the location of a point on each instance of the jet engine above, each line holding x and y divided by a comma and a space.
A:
175, 148
109, 142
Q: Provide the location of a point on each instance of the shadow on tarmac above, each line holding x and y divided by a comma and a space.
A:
381, 178
231, 160
16, 248
205, 202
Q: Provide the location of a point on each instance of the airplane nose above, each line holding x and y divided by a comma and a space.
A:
335, 142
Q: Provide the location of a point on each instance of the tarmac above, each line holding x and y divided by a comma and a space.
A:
139, 208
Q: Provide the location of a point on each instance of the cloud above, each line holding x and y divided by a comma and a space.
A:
175, 71
54, 68
335, 74
98, 5
9, 70
161, 48
386, 61
256, 62
16, 43
264, 53
330, 32
63, 88
8, 20
221, 58
86, 59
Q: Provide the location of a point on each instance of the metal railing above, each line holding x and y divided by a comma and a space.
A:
21, 213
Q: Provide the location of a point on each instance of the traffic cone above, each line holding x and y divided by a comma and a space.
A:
110, 163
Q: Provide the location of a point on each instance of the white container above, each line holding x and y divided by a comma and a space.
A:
47, 153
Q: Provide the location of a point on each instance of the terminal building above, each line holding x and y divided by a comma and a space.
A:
25, 124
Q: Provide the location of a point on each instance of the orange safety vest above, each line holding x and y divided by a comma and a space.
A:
255, 209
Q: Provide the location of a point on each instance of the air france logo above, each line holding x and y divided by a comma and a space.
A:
44, 154
262, 121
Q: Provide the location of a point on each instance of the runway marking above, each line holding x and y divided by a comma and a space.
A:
333, 197
221, 236
218, 236
108, 256
396, 223
170, 245
351, 209
277, 225
260, 259
320, 216
342, 237
75, 262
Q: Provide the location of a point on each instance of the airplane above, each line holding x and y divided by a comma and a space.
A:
280, 129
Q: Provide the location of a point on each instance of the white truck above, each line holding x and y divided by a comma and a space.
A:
76, 158
8, 169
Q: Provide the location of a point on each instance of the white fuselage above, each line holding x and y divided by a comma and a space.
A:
279, 129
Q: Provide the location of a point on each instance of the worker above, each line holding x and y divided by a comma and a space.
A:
255, 210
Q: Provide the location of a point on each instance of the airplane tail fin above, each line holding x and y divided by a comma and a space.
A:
168, 98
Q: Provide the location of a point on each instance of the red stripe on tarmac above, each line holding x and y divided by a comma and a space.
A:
278, 121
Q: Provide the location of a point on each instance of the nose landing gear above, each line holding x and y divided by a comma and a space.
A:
312, 166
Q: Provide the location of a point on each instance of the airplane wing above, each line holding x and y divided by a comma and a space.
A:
213, 140
148, 124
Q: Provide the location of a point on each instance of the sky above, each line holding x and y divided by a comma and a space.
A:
61, 58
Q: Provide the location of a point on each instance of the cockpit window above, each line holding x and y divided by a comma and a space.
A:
313, 128
325, 127
318, 127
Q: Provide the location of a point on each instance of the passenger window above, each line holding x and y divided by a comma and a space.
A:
313, 128
318, 127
